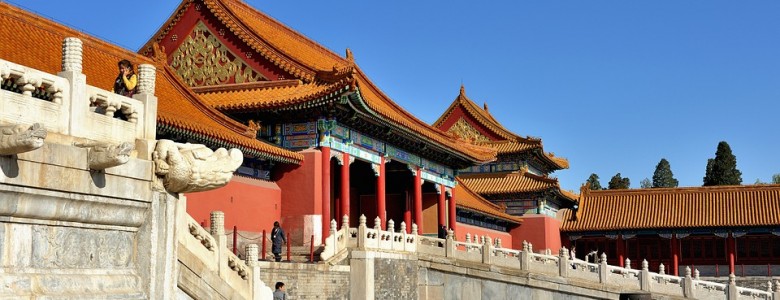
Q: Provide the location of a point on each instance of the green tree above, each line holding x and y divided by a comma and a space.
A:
646, 183
722, 170
663, 176
618, 182
776, 178
593, 180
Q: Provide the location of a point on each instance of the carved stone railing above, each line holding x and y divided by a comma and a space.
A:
210, 249
65, 104
485, 250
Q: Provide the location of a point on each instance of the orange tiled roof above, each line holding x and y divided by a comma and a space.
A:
512, 142
511, 183
322, 70
40, 47
675, 208
281, 45
468, 199
242, 99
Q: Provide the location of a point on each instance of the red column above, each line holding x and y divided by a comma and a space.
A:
441, 206
345, 185
418, 216
326, 193
408, 213
675, 255
731, 249
621, 251
453, 221
380, 194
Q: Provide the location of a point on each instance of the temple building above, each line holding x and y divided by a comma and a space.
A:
717, 230
362, 153
518, 180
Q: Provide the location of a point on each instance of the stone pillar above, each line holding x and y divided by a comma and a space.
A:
147, 123
345, 184
731, 252
361, 275
418, 212
644, 278
72, 55
325, 192
688, 290
449, 244
217, 228
441, 206
776, 293
251, 254
77, 102
563, 262
452, 211
381, 210
525, 257
731, 289
603, 269
487, 250
361, 235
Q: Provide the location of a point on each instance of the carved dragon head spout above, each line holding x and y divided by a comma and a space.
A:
186, 168
15, 139
102, 156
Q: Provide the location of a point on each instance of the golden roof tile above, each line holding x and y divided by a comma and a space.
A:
675, 208
40, 47
470, 200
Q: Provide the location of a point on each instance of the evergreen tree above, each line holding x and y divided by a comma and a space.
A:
646, 183
593, 180
722, 170
663, 176
776, 178
618, 182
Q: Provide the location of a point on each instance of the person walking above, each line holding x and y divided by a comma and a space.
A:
277, 238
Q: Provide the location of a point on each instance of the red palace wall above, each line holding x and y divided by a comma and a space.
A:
250, 204
463, 229
541, 231
302, 199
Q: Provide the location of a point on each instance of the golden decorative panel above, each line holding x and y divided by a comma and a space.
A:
203, 60
465, 131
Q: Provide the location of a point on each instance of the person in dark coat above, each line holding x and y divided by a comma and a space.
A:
442, 232
277, 238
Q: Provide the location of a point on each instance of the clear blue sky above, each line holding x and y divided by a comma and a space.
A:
614, 86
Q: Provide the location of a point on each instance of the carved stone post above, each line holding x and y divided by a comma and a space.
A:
644, 278
688, 290
487, 250
251, 254
661, 269
449, 244
361, 238
628, 263
603, 269
391, 226
525, 257
345, 222
563, 262
498, 243
217, 224
71, 55
776, 294
76, 101
377, 224
147, 122
414, 229
731, 289
402, 229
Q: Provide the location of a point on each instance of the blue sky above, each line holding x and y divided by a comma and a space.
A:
614, 86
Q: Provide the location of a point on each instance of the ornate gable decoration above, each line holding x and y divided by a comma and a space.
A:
203, 60
465, 131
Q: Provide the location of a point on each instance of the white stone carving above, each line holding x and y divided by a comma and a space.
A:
193, 167
71, 54
146, 78
15, 139
102, 156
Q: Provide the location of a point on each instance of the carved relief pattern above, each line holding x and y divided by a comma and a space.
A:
465, 131
203, 60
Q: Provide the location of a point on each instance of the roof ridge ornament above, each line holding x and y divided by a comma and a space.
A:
158, 54
462, 90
